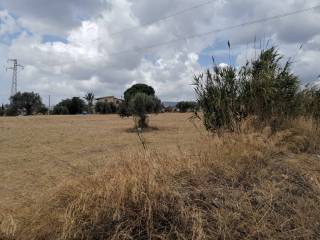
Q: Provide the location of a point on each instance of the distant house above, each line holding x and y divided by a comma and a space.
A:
110, 99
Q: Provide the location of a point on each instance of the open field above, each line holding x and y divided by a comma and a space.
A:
38, 153
88, 177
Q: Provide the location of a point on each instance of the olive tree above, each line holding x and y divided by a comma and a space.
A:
140, 106
27, 103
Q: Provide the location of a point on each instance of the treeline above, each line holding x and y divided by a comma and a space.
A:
31, 104
77, 105
264, 88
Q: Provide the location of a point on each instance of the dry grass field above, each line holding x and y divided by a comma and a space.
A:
89, 177
38, 153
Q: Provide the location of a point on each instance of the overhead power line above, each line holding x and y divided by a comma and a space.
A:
163, 18
218, 30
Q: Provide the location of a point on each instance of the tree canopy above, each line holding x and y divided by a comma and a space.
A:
70, 106
138, 88
140, 100
105, 108
27, 103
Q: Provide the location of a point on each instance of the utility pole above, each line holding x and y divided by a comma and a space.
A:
14, 68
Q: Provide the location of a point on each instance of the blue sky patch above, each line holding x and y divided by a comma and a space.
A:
220, 52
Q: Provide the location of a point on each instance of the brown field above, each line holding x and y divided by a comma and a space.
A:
89, 177
38, 153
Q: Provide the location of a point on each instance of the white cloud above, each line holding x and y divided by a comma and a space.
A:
89, 60
7, 23
57, 17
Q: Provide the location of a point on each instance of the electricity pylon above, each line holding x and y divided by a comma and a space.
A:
14, 84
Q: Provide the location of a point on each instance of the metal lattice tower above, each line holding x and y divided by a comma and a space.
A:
14, 84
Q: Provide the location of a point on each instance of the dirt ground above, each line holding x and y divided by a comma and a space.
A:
40, 152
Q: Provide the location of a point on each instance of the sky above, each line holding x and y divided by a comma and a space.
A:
73, 47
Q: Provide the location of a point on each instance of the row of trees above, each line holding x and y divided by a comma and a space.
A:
140, 100
264, 88
31, 104
76, 105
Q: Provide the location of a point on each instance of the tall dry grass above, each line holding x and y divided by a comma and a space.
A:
252, 185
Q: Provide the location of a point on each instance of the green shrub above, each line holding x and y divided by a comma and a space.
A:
269, 90
264, 88
2, 110
43, 110
186, 106
141, 105
310, 104
124, 110
216, 96
105, 108
60, 110
70, 106
25, 103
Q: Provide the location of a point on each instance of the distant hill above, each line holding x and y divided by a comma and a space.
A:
169, 104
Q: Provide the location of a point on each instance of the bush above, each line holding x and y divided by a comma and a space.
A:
2, 110
43, 110
316, 107
70, 106
25, 103
186, 106
141, 105
124, 110
11, 111
60, 110
105, 108
309, 100
216, 96
263, 88
269, 90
